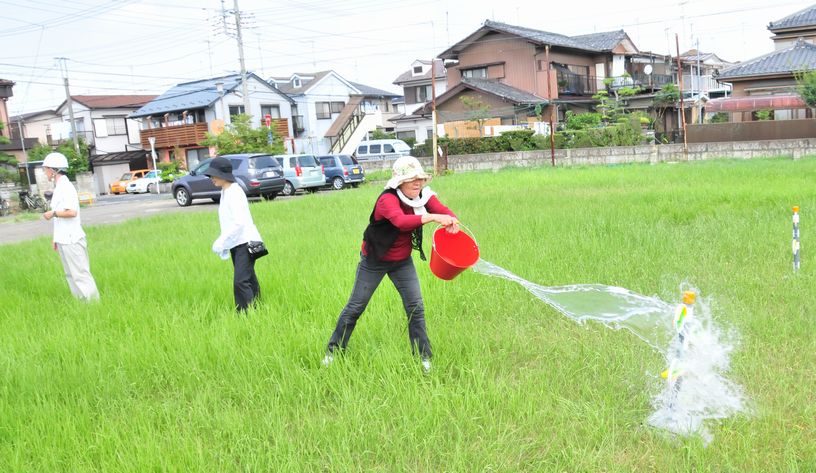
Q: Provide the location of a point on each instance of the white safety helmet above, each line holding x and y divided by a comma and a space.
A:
56, 161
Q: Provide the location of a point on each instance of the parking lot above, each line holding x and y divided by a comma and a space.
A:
106, 209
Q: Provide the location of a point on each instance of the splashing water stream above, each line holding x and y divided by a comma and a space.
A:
684, 405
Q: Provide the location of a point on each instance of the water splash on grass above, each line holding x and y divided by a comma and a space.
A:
684, 405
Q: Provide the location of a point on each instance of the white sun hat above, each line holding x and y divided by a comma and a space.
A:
406, 168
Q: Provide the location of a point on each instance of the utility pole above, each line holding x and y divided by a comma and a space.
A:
433, 117
682, 106
551, 105
699, 84
241, 57
69, 102
22, 144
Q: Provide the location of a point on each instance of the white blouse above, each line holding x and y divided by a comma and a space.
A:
236, 222
66, 230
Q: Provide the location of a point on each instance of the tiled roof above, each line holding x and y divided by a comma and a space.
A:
806, 17
595, 42
373, 91
26, 116
112, 101
284, 84
408, 76
799, 56
190, 95
605, 41
504, 91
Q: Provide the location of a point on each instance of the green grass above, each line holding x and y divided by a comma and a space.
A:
162, 376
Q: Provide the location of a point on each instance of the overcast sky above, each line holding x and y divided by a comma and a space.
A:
147, 46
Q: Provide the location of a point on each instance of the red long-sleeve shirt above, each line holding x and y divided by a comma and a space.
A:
402, 216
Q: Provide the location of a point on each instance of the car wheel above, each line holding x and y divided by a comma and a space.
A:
270, 196
182, 197
288, 189
150, 188
338, 183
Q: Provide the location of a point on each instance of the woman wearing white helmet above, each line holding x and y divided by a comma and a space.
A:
394, 230
69, 238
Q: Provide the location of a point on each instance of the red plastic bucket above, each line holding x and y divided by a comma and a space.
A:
452, 253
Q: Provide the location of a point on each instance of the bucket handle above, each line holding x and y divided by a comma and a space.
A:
462, 227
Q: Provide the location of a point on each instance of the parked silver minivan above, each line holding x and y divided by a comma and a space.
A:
382, 149
301, 171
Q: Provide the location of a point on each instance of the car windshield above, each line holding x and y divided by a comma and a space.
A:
151, 174
203, 167
307, 161
126, 176
401, 147
346, 160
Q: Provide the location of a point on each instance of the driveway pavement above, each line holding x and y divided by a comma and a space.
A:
107, 209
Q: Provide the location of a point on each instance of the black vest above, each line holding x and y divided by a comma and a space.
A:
380, 235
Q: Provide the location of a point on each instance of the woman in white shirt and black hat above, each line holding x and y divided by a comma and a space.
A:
237, 231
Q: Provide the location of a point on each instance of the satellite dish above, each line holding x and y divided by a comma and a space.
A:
648, 69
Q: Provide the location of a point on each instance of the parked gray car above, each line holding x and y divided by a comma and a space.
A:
301, 171
259, 175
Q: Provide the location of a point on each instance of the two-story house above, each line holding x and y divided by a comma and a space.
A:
102, 121
699, 74
767, 83
509, 72
418, 85
179, 119
333, 114
11, 128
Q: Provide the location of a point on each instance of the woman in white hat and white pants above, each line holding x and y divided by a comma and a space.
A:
394, 230
69, 238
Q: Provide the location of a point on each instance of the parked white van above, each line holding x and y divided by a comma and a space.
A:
382, 149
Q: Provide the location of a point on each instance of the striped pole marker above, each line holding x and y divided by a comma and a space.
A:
796, 238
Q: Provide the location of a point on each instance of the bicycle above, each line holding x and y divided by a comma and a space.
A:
29, 202
5, 207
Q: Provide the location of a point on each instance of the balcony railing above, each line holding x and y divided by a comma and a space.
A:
173, 136
576, 84
693, 82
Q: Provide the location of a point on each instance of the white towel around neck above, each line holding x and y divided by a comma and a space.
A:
418, 204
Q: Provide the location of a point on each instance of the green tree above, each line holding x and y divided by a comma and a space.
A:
77, 162
664, 99
806, 86
478, 111
378, 134
240, 137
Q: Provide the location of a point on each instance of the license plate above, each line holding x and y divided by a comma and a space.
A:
270, 174
355, 171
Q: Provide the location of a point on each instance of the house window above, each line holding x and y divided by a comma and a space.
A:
296, 82
403, 135
195, 156
417, 70
271, 110
116, 126
423, 93
323, 110
236, 110
337, 107
475, 73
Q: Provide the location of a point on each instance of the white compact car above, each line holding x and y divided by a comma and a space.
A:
147, 183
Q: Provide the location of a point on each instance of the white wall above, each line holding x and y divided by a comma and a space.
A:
105, 175
329, 89
259, 94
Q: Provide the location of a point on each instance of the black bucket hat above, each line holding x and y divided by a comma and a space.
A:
220, 167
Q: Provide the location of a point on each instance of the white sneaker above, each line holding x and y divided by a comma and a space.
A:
327, 360
426, 365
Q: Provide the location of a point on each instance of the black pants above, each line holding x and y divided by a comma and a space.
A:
244, 282
369, 274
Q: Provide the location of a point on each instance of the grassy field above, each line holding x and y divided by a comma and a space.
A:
162, 376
